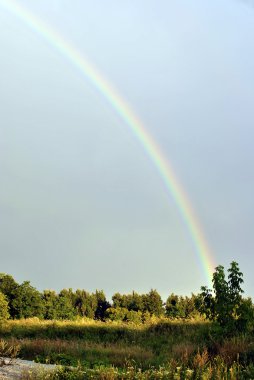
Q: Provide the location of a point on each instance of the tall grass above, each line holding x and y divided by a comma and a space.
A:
162, 349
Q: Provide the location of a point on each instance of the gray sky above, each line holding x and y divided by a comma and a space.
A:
81, 205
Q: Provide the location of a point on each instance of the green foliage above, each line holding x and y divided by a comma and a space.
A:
134, 317
132, 301
234, 289
85, 303
142, 304
221, 289
64, 305
181, 307
172, 306
205, 302
28, 302
4, 307
227, 306
8, 286
50, 299
153, 303
116, 313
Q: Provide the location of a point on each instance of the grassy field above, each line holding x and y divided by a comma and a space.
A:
161, 349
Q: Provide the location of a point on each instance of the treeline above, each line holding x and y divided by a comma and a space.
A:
24, 301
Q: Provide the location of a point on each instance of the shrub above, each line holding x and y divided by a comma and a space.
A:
116, 313
4, 307
134, 316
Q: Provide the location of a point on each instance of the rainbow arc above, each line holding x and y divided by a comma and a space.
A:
120, 106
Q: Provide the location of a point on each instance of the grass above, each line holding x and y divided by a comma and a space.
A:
160, 350
216, 372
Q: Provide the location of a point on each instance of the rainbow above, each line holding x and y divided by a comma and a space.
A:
131, 120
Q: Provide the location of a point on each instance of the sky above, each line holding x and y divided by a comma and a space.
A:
82, 205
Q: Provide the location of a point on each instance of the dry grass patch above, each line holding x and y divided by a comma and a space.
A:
183, 351
231, 350
72, 352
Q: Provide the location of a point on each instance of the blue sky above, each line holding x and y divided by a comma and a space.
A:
81, 204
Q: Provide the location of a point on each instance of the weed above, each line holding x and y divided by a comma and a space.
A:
9, 351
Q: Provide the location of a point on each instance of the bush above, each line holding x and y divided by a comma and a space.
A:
134, 316
4, 307
116, 313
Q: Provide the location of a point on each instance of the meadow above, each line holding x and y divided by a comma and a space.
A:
159, 349
136, 336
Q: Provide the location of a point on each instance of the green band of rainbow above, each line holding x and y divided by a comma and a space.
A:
130, 119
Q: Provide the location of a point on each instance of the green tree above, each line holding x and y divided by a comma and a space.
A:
132, 302
84, 303
65, 305
235, 279
136, 302
227, 305
117, 300
205, 303
50, 299
4, 307
181, 307
8, 286
191, 310
222, 296
153, 303
172, 306
28, 302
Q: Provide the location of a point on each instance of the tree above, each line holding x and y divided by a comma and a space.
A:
234, 288
8, 286
86, 304
117, 299
4, 307
28, 302
136, 302
222, 300
50, 304
65, 305
102, 305
172, 306
181, 307
205, 303
227, 305
153, 303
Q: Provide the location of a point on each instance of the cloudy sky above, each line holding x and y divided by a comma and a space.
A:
81, 203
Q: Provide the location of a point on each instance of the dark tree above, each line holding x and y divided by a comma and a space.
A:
102, 305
